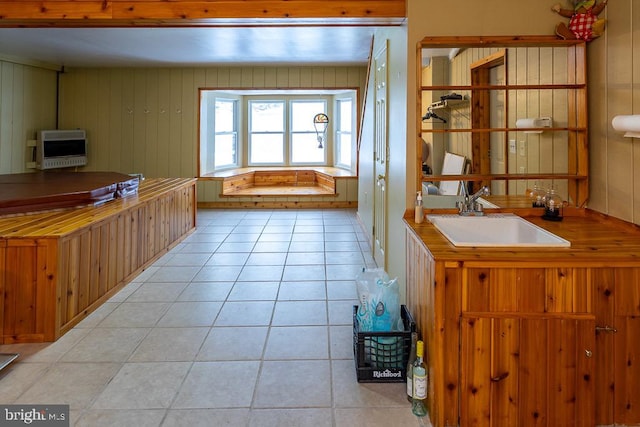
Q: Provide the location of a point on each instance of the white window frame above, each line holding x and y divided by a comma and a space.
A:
250, 134
234, 132
327, 144
206, 147
206, 165
338, 132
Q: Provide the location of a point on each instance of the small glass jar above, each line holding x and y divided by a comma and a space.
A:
552, 205
537, 196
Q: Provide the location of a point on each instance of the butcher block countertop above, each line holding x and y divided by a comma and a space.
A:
595, 239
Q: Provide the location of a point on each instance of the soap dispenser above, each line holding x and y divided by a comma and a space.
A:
418, 210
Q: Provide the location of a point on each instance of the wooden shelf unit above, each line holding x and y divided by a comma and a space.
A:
573, 128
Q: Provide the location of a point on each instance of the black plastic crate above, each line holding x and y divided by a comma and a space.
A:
382, 357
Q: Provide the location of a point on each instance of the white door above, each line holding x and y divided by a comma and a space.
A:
381, 149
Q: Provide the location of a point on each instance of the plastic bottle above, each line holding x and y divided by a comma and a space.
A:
418, 211
412, 359
419, 382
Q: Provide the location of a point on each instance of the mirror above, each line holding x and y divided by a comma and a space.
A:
514, 108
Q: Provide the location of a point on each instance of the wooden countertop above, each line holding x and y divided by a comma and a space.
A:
595, 239
57, 223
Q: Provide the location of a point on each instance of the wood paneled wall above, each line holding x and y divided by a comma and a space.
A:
27, 104
614, 88
145, 120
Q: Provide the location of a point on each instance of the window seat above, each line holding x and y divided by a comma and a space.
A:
280, 181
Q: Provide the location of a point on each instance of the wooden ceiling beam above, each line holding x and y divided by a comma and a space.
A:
130, 13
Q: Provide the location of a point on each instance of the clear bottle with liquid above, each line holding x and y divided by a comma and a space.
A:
419, 382
412, 359
418, 210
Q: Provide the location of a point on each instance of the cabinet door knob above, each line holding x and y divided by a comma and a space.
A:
500, 377
588, 353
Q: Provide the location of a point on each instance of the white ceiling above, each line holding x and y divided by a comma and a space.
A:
136, 47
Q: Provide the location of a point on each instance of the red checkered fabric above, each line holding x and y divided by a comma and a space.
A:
581, 25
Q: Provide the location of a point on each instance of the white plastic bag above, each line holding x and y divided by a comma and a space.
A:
379, 297
387, 312
366, 283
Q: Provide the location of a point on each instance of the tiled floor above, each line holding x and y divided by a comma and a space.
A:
247, 322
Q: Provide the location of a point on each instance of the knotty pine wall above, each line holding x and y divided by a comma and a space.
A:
145, 120
27, 104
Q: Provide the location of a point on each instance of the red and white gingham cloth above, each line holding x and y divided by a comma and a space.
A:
581, 25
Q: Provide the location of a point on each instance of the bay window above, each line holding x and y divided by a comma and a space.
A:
240, 128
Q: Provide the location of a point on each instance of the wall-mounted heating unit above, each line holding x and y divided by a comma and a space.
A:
61, 149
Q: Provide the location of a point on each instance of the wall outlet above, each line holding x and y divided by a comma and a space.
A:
512, 146
523, 170
31, 165
522, 148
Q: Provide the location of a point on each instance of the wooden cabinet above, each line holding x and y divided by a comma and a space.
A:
529, 338
56, 267
520, 370
505, 83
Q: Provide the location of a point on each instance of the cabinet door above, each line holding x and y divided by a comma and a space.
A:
527, 371
626, 349
29, 303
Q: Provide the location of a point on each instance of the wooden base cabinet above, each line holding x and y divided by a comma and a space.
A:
527, 370
57, 267
526, 343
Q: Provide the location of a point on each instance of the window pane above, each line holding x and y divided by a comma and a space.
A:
267, 116
304, 149
225, 154
302, 114
344, 154
225, 115
345, 115
344, 132
267, 148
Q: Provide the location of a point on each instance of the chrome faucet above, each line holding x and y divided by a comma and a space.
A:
470, 204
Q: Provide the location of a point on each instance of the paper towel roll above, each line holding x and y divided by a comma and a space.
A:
628, 124
526, 123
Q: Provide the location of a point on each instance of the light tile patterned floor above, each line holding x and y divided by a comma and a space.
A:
247, 322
